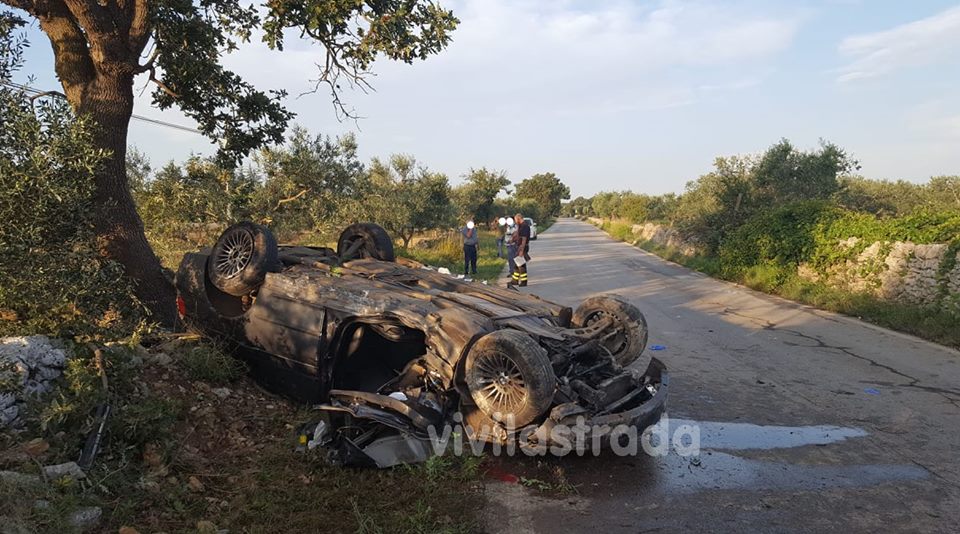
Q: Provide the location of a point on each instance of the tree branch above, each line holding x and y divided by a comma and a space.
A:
139, 26
283, 201
106, 31
46, 93
72, 60
330, 74
163, 87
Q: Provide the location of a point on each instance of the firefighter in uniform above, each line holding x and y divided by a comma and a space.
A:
521, 240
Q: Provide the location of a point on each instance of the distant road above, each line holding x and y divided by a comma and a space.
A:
837, 425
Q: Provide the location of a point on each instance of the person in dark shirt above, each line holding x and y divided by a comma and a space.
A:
471, 245
521, 239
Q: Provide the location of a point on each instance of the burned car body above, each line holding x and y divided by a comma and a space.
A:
391, 349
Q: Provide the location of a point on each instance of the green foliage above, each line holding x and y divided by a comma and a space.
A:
52, 278
199, 191
785, 174
546, 191
511, 205
619, 230
606, 204
406, 199
899, 198
65, 416
475, 197
921, 228
190, 39
811, 232
11, 45
578, 207
308, 183
782, 237
720, 202
759, 217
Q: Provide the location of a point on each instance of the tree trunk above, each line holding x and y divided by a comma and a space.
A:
108, 100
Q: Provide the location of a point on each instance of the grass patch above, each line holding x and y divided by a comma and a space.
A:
447, 251
619, 230
208, 363
293, 492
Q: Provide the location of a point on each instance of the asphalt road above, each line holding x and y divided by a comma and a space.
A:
809, 421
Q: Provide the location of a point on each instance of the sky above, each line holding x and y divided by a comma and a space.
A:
640, 95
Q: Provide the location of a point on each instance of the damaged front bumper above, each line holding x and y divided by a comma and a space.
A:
368, 429
571, 428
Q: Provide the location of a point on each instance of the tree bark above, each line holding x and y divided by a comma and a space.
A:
108, 100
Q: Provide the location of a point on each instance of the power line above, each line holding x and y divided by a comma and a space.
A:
134, 116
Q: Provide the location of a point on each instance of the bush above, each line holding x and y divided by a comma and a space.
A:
783, 237
810, 232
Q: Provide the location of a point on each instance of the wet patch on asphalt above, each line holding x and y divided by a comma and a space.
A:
745, 436
714, 470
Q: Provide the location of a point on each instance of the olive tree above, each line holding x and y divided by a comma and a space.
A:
100, 47
407, 199
475, 197
308, 182
546, 190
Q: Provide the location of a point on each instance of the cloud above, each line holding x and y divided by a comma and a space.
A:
549, 56
920, 42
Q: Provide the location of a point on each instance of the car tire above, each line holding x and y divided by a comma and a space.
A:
627, 347
241, 258
510, 377
365, 240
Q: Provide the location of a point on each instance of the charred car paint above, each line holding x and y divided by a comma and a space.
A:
391, 350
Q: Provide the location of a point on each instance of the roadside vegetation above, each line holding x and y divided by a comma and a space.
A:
755, 220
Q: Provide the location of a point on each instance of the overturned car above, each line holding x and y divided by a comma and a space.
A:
392, 350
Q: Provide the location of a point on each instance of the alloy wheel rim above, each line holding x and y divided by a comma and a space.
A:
501, 381
235, 255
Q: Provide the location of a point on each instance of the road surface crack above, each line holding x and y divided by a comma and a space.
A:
950, 395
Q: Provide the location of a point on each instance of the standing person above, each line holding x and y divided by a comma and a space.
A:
471, 244
522, 240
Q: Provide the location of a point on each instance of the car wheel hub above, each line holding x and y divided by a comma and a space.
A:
501, 381
614, 341
235, 255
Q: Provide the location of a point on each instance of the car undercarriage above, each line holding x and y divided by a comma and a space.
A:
395, 354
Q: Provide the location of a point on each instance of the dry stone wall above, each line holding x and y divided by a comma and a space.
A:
901, 271
658, 234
